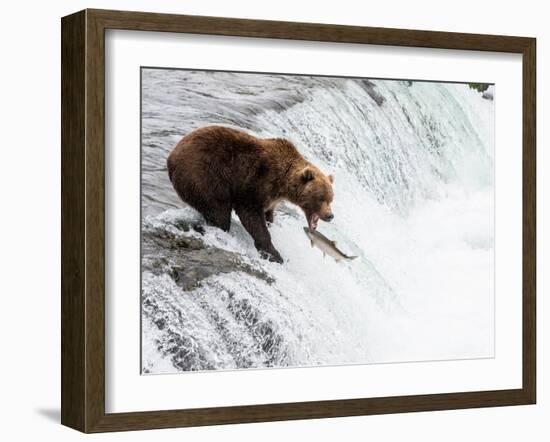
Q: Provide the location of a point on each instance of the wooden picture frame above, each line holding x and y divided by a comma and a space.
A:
83, 220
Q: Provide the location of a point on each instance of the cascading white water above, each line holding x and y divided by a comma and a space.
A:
413, 199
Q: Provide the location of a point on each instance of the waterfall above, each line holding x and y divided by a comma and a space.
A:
413, 167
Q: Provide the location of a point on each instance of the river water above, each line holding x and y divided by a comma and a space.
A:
414, 199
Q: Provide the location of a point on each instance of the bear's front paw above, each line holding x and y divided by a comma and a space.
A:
276, 258
272, 256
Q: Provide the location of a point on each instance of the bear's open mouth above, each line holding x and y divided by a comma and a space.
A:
312, 221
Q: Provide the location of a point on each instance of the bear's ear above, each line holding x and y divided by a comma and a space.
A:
307, 175
331, 178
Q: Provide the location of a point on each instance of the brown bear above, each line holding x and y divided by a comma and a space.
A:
216, 169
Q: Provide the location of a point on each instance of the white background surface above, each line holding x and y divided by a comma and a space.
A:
30, 230
128, 391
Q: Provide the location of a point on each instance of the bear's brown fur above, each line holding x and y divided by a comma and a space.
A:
217, 169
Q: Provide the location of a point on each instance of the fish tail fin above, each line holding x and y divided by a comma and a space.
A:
312, 244
351, 258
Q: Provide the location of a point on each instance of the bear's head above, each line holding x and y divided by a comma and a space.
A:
314, 195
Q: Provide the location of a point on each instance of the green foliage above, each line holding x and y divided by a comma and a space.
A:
480, 87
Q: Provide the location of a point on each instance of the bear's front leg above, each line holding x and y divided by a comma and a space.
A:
254, 222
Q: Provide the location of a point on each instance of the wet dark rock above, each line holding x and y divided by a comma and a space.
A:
160, 323
370, 89
488, 95
187, 259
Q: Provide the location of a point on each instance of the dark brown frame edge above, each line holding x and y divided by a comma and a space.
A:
83, 216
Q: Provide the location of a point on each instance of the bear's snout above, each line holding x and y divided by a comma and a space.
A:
328, 217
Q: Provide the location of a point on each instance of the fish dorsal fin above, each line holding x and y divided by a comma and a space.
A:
333, 243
